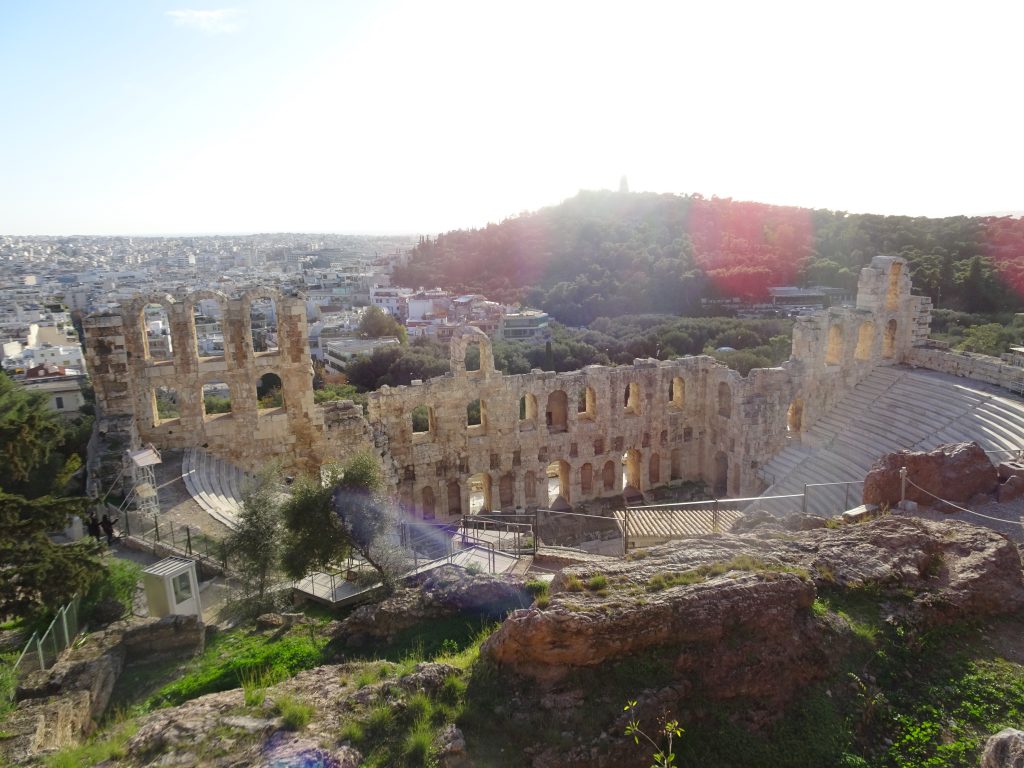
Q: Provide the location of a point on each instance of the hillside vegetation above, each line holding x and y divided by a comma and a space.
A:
606, 254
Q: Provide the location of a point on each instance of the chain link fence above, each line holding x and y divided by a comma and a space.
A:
42, 650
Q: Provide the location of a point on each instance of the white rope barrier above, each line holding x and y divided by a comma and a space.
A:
964, 509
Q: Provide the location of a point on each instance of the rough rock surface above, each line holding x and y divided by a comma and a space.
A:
443, 592
1012, 489
212, 731
1004, 750
59, 705
955, 570
956, 472
38, 725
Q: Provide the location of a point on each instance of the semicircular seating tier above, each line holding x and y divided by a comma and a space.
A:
892, 409
215, 484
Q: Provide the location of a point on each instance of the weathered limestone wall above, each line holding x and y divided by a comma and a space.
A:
968, 365
653, 422
127, 377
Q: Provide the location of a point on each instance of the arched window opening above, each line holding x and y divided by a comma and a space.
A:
608, 476
586, 404
558, 481
865, 340
454, 499
724, 400
268, 392
889, 342
216, 398
556, 413
677, 464
479, 493
156, 336
422, 417
427, 496
892, 297
587, 479
720, 482
476, 415
631, 399
795, 416
834, 355
472, 356
263, 324
530, 487
527, 412
631, 469
166, 406
506, 498
677, 392
654, 470
207, 316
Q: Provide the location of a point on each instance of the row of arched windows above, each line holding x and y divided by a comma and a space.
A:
865, 342
485, 493
556, 410
206, 331
214, 398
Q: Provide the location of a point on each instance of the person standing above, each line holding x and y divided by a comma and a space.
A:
108, 528
92, 525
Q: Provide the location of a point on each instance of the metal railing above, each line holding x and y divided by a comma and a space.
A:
42, 651
846, 493
510, 536
188, 540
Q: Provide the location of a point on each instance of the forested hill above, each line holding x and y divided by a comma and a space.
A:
605, 254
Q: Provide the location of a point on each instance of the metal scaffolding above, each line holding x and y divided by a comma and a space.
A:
144, 491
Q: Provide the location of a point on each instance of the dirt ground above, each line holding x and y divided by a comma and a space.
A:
176, 503
1006, 518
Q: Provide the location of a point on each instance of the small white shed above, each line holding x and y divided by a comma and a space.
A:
172, 588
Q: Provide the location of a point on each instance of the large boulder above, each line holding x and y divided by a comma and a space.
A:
1004, 750
755, 599
954, 472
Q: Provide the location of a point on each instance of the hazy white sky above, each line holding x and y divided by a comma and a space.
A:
139, 117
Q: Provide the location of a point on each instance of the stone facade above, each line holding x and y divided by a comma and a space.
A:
499, 437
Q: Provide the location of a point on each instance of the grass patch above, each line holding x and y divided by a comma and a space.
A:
820, 607
598, 583
418, 743
110, 745
353, 732
536, 587
573, 583
294, 713
235, 659
704, 572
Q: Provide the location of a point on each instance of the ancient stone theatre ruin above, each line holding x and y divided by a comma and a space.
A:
483, 440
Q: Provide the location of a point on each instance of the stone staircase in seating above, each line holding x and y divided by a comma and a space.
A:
894, 408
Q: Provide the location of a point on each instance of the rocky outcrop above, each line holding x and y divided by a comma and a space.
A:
955, 472
59, 705
40, 725
444, 592
212, 731
170, 636
759, 601
1004, 750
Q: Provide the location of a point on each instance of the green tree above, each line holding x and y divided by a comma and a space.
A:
375, 323
327, 519
989, 339
255, 545
30, 434
36, 574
